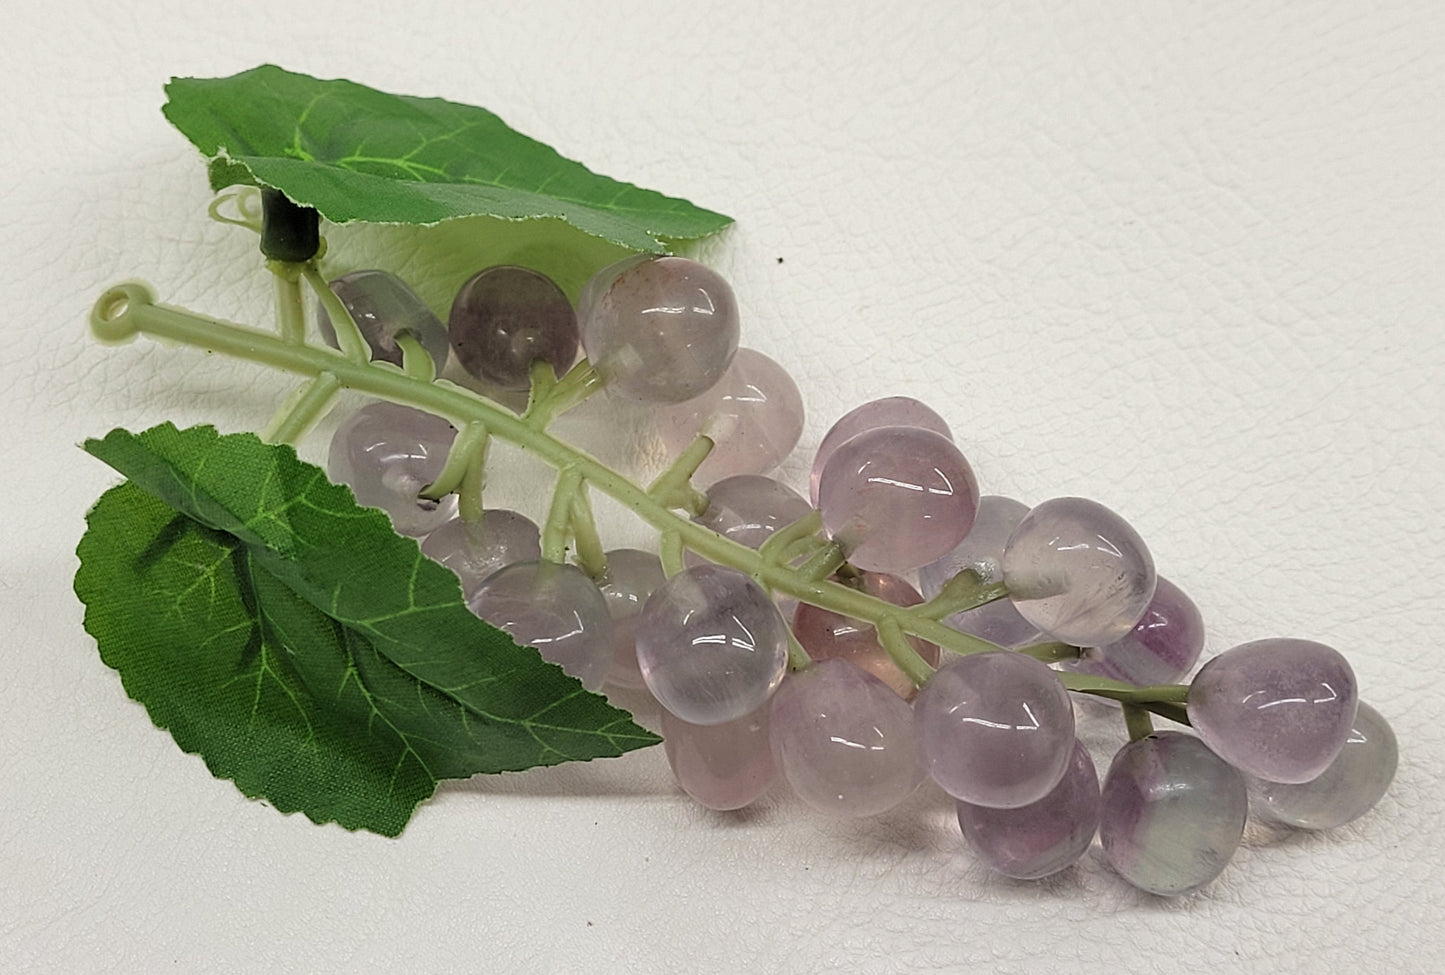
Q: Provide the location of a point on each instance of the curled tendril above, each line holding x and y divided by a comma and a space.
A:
247, 202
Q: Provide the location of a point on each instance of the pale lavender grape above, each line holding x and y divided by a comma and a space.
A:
722, 766
1162, 647
1043, 837
711, 645
1078, 572
387, 454
892, 411
631, 577
597, 285
475, 550
754, 417
844, 741
981, 551
749, 508
1356, 780
383, 307
506, 317
554, 608
995, 729
1172, 813
827, 635
1280, 709
997, 622
897, 498
660, 330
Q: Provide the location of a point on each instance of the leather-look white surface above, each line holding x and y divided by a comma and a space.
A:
1186, 259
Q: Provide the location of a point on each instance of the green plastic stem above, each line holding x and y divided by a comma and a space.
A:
1138, 722
130, 309
348, 335
589, 551
290, 311
559, 515
300, 411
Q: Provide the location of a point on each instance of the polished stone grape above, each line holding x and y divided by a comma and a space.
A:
827, 635
1043, 837
995, 729
554, 608
749, 508
897, 498
981, 551
505, 318
1162, 647
660, 330
892, 411
1279, 709
1172, 813
711, 645
631, 577
1355, 781
475, 550
997, 622
722, 766
1078, 572
844, 741
754, 416
383, 307
387, 454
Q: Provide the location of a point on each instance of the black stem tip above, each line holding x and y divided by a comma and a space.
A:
289, 231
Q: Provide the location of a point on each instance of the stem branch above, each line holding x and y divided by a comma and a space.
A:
893, 639
290, 311
301, 409
348, 335
590, 555
673, 487
559, 516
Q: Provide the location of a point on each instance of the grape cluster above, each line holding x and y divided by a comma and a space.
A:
760, 685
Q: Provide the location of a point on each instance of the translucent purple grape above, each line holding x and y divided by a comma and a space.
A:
754, 416
505, 318
995, 729
383, 307
554, 608
722, 766
711, 645
387, 454
827, 635
475, 550
1356, 780
892, 411
749, 508
1163, 646
981, 551
897, 498
632, 576
1043, 837
844, 741
1172, 813
997, 622
1279, 709
1078, 572
660, 330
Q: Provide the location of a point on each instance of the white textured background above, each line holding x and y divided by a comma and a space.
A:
1188, 259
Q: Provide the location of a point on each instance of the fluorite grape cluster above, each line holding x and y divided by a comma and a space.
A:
749, 645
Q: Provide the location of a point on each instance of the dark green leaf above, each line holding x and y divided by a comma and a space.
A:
303, 648
355, 153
